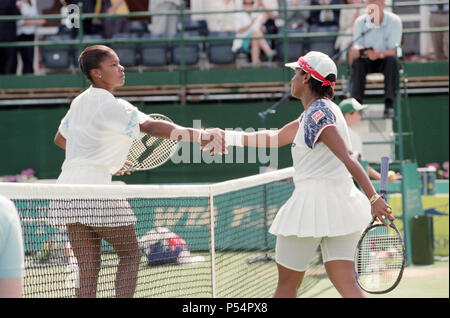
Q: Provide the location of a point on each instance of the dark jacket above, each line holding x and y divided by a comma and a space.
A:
314, 18
8, 29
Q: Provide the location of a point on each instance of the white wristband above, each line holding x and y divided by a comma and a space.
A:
234, 138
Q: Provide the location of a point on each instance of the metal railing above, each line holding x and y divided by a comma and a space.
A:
182, 13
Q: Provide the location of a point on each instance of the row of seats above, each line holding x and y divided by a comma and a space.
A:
163, 53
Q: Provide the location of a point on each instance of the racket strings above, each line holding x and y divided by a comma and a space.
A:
143, 155
380, 259
150, 152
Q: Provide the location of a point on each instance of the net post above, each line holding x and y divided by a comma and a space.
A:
212, 244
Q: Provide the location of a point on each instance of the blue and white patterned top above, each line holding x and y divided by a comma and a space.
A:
99, 130
311, 158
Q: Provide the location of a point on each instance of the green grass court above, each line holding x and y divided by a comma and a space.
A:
429, 281
234, 279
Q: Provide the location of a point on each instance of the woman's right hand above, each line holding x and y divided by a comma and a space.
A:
213, 140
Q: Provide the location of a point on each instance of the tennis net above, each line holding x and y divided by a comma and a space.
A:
184, 249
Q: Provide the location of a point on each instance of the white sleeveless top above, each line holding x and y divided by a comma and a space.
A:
325, 201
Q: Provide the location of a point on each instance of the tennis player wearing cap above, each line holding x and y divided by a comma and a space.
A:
326, 208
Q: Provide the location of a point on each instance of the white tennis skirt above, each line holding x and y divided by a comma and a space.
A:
95, 212
323, 207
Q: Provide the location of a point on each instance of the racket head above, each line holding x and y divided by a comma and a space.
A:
149, 152
380, 258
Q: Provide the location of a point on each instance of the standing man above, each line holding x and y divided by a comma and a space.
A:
439, 18
164, 24
8, 30
376, 35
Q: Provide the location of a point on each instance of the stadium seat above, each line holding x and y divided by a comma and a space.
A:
57, 57
200, 26
128, 53
296, 47
139, 27
191, 50
154, 54
323, 44
219, 52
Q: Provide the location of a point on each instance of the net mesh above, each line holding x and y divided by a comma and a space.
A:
379, 259
170, 251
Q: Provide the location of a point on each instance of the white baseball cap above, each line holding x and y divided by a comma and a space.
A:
318, 64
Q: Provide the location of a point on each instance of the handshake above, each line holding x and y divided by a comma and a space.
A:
216, 140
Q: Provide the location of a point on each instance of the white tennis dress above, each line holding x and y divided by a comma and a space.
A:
325, 201
99, 129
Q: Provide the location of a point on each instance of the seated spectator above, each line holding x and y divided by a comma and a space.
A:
324, 17
8, 33
88, 7
347, 18
269, 17
250, 24
297, 19
26, 29
351, 110
117, 25
164, 24
217, 22
376, 35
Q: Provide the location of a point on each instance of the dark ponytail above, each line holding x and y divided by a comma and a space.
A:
91, 57
322, 91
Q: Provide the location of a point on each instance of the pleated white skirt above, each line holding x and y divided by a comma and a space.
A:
96, 212
323, 207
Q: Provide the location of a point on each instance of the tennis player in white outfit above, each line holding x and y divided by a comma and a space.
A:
326, 208
97, 133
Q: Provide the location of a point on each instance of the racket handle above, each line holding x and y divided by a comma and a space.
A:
384, 176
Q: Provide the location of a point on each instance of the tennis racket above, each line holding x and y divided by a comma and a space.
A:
380, 254
150, 152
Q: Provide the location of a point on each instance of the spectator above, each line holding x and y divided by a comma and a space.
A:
324, 17
297, 19
8, 32
217, 22
164, 24
12, 266
228, 18
88, 7
347, 18
269, 17
117, 25
376, 34
351, 110
66, 25
26, 29
439, 18
249, 24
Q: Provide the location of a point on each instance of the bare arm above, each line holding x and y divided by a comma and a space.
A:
164, 129
272, 138
11, 287
210, 140
334, 141
60, 141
